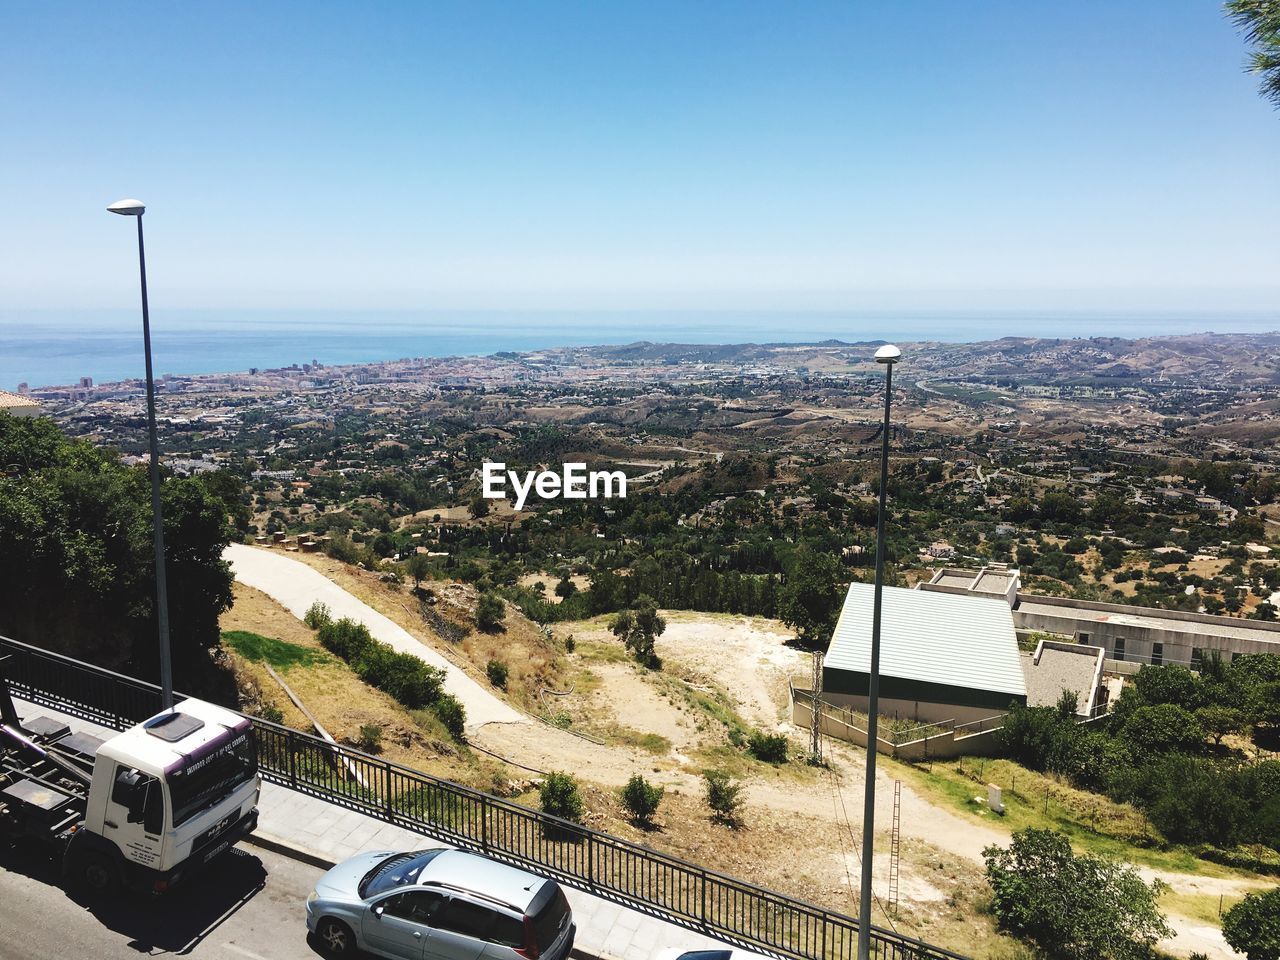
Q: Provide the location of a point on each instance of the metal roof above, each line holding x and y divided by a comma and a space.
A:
960, 641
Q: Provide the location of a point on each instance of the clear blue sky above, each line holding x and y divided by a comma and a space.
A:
1097, 153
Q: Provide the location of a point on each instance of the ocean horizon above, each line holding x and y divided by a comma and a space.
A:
48, 348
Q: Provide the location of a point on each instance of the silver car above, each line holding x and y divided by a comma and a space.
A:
439, 905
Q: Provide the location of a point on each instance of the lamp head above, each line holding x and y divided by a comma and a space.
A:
888, 354
128, 208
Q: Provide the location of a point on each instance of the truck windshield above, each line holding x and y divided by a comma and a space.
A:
210, 779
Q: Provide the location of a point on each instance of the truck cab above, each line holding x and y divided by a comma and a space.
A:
165, 797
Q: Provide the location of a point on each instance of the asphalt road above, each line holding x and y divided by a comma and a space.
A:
248, 905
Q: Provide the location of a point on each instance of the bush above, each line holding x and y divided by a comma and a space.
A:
769, 747
271, 713
345, 637
370, 738
641, 799
317, 615
497, 673
560, 798
724, 797
570, 644
452, 714
1252, 926
490, 612
1082, 907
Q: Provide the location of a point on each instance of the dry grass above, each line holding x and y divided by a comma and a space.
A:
340, 700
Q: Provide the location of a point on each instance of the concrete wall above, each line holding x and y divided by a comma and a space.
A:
951, 743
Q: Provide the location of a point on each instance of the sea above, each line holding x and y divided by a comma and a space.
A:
47, 348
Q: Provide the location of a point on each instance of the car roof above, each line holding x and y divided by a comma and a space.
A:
472, 873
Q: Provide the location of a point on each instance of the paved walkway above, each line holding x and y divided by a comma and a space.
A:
323, 834
296, 586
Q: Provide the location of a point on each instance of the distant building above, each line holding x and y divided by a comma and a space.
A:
16, 405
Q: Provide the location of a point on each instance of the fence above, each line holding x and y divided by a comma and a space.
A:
597, 863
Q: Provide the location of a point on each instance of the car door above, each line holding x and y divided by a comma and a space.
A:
399, 925
460, 931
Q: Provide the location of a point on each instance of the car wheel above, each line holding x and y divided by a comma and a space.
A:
336, 938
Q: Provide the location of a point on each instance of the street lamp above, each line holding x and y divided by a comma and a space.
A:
888, 355
135, 208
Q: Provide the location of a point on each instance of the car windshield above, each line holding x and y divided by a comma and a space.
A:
206, 781
397, 870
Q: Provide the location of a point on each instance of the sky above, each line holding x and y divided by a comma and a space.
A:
718, 154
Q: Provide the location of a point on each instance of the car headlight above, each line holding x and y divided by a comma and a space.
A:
312, 897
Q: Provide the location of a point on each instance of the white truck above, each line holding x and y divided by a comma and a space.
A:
140, 810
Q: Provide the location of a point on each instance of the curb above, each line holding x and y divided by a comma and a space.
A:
294, 852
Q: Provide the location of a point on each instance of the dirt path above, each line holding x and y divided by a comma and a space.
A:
742, 654
296, 586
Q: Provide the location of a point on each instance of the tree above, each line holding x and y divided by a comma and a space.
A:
565, 587
478, 508
1219, 721
1260, 19
810, 598
724, 797
641, 798
78, 568
638, 628
1163, 728
1081, 907
490, 612
419, 568
1252, 926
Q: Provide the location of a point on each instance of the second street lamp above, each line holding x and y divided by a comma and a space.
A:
888, 355
135, 208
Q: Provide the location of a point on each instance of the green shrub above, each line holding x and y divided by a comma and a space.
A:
570, 644
497, 673
641, 798
724, 797
452, 714
490, 612
345, 637
769, 747
317, 615
370, 738
271, 713
1252, 926
560, 798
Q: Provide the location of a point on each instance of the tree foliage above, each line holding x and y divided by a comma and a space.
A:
78, 565
1252, 926
1078, 907
810, 598
638, 628
1260, 21
641, 798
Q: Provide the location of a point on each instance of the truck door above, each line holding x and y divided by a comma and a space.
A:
134, 818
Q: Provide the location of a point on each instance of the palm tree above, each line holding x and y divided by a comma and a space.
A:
1260, 21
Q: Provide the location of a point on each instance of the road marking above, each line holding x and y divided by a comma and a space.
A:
243, 952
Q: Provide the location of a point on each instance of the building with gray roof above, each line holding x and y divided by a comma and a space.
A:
942, 656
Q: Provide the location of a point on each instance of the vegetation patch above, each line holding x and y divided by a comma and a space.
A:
280, 654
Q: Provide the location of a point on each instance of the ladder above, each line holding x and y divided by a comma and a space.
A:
895, 846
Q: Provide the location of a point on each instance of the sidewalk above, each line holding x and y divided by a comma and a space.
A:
309, 829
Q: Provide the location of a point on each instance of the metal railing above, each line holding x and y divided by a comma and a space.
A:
597, 863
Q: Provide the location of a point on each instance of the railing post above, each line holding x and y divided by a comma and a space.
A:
293, 760
591, 860
484, 823
386, 767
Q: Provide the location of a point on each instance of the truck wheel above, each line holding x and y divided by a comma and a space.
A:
97, 873
336, 938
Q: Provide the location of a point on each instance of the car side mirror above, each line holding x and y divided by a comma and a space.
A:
379, 910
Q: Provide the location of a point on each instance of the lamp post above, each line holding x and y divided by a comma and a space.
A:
135, 208
888, 355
